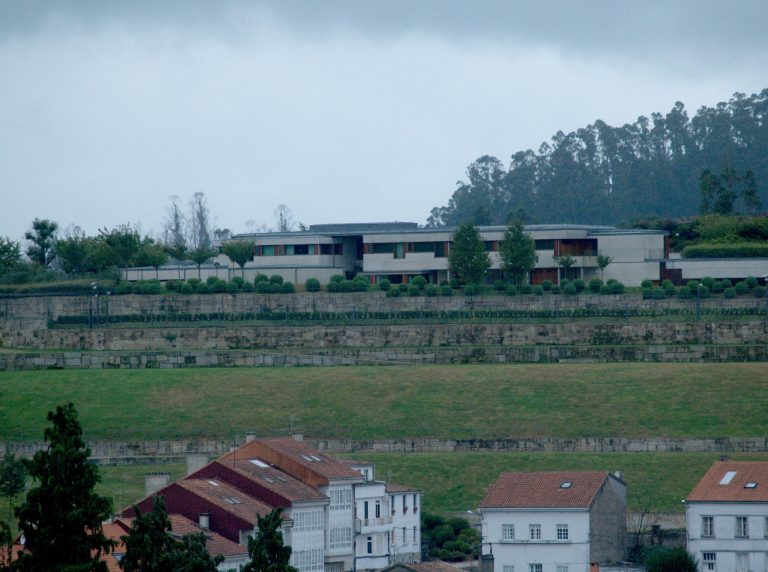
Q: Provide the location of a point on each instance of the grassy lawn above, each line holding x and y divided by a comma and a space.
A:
455, 482
473, 401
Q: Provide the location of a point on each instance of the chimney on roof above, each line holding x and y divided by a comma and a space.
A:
153, 482
250, 436
203, 520
619, 474
724, 458
195, 462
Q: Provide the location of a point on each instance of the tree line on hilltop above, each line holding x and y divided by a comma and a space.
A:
601, 174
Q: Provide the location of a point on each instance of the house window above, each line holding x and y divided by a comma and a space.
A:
535, 568
405, 504
562, 532
383, 248
508, 568
378, 509
370, 545
415, 504
365, 510
765, 531
393, 535
710, 560
534, 532
341, 499
341, 537
414, 535
742, 527
268, 250
545, 245
707, 527
507, 531
338, 249
561, 568
742, 562
423, 247
326, 249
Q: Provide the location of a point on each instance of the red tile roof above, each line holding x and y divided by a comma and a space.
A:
395, 488
544, 490
227, 497
274, 479
433, 566
709, 488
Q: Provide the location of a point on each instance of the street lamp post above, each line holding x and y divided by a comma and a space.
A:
698, 301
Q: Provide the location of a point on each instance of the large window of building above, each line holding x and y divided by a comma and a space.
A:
562, 532
535, 568
707, 527
534, 531
742, 527
382, 248
507, 531
341, 499
341, 537
710, 560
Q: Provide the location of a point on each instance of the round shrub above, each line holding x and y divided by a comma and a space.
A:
659, 294
454, 283
555, 289
511, 290
312, 285
446, 290
127, 288
276, 288
646, 284
211, 280
173, 285
605, 289
384, 284
287, 288
759, 291
718, 287
564, 282
220, 286
186, 289
670, 290
203, 288
248, 287
667, 283
151, 287
538, 290
233, 288
704, 292
347, 286
647, 293
470, 290
360, 284
617, 288
333, 287
275, 279
238, 280
547, 285
729, 293
260, 278
526, 288
419, 281
444, 283
498, 285
569, 290
403, 287
337, 278
741, 288
414, 290
431, 290
393, 293
263, 287
708, 282
684, 293
194, 282
579, 284
751, 282
611, 281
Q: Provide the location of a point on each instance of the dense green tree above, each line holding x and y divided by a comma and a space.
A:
61, 516
719, 193
267, 551
191, 555
124, 241
565, 262
603, 261
200, 255
73, 252
13, 477
10, 255
149, 544
518, 252
151, 254
240, 252
467, 258
670, 560
42, 237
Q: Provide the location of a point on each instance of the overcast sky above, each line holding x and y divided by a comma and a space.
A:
346, 111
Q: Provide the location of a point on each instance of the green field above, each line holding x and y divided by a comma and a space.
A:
473, 401
455, 482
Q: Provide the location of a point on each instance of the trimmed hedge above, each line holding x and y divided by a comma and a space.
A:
732, 250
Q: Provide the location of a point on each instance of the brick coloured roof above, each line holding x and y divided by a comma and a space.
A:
395, 488
544, 490
274, 479
709, 488
227, 497
301, 454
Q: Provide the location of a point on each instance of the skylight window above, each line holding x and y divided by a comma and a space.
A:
566, 485
259, 463
214, 483
726, 480
281, 479
268, 479
308, 458
233, 500
316, 458
751, 485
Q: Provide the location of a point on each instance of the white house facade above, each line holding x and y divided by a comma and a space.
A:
554, 522
727, 517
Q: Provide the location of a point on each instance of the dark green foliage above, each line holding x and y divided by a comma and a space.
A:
547, 285
470, 290
518, 252
194, 282
233, 288
499, 285
392, 293
337, 278
212, 280
759, 291
685, 293
403, 287
645, 284
331, 287
219, 286
569, 290
653, 163
605, 289
703, 291
61, 516
419, 281
647, 293
579, 285
240, 252
13, 475
431, 290
260, 278
467, 258
719, 193
263, 287
538, 290
511, 290
729, 293
451, 539
384, 284
10, 255
42, 237
555, 289
360, 283
238, 281
149, 543
192, 555
203, 288
414, 290
312, 285
751, 282
267, 551
348, 286
446, 290
186, 288
670, 560
287, 288
275, 279
275, 288
248, 287
731, 250
173, 285
617, 288
526, 289
670, 290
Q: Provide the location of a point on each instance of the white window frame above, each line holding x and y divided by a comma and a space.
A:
561, 568
562, 531
507, 568
707, 527
507, 531
534, 531
535, 567
708, 561
742, 527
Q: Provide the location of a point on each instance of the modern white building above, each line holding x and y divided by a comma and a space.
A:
406, 523
727, 517
554, 521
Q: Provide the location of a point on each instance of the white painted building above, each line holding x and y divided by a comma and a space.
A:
727, 517
554, 522
406, 523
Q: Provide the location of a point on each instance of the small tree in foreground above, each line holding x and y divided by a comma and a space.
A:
670, 560
61, 516
240, 252
467, 258
13, 476
267, 551
518, 252
148, 544
603, 260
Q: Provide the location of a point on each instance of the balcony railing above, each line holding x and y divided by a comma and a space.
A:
363, 524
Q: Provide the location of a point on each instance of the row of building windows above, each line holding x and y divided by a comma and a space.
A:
305, 521
298, 249
536, 567
741, 527
415, 504
308, 560
534, 532
404, 537
341, 499
341, 537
